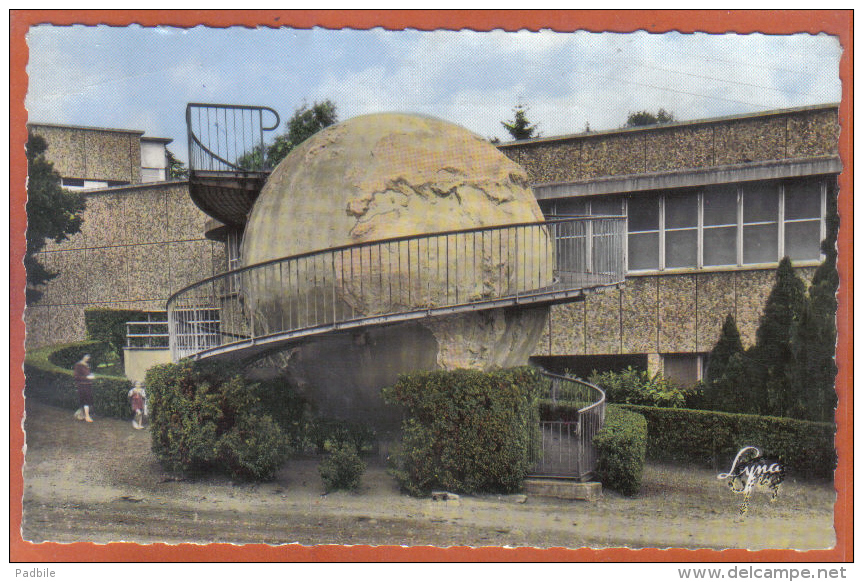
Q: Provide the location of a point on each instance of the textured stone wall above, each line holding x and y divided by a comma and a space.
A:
93, 154
786, 135
661, 314
137, 246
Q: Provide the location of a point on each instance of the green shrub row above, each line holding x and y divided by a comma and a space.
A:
466, 431
46, 380
712, 439
620, 446
205, 419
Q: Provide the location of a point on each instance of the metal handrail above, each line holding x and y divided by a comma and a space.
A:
377, 282
230, 143
566, 448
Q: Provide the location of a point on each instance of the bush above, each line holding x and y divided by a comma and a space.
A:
465, 430
712, 439
287, 408
328, 432
638, 387
48, 377
620, 448
203, 418
342, 468
109, 325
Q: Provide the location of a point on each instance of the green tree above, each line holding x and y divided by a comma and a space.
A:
177, 170
520, 127
774, 368
725, 377
304, 123
52, 213
644, 117
816, 339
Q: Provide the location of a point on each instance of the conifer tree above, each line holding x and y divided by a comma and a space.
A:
772, 363
816, 341
725, 376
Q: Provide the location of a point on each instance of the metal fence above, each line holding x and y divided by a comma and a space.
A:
566, 446
396, 279
228, 138
152, 333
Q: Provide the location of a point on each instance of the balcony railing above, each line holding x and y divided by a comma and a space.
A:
228, 138
283, 300
565, 447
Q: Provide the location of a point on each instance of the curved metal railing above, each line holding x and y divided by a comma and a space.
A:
228, 138
397, 279
566, 447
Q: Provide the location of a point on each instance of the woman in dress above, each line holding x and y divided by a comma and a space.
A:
84, 383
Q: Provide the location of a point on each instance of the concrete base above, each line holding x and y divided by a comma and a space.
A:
138, 360
563, 489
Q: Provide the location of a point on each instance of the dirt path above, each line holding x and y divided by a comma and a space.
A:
99, 482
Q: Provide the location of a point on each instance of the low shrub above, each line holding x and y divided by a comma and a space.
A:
466, 431
342, 468
288, 409
327, 432
620, 448
712, 439
203, 418
48, 378
638, 387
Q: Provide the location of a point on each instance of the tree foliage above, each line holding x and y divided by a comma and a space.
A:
52, 212
644, 117
304, 123
520, 127
725, 377
177, 170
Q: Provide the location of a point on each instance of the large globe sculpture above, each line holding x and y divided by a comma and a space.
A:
378, 177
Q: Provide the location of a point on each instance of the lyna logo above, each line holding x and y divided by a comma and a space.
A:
756, 470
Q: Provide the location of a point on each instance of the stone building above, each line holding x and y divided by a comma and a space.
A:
141, 238
712, 206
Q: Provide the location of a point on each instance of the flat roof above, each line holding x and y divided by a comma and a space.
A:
705, 121
85, 128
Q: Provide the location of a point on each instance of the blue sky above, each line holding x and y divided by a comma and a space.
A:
142, 78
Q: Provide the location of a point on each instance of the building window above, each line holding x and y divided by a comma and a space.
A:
73, 182
720, 226
731, 225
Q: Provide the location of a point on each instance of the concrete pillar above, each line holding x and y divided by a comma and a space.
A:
654, 364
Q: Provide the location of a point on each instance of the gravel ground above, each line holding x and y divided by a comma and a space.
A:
100, 482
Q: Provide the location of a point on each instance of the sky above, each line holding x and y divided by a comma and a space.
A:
141, 78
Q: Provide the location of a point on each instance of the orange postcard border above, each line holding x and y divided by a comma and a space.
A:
834, 22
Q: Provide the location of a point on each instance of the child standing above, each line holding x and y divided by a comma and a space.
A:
137, 397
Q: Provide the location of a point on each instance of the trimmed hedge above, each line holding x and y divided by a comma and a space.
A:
466, 431
712, 439
621, 445
205, 419
638, 387
47, 378
109, 325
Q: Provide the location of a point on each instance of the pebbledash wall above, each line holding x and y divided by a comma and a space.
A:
141, 238
712, 206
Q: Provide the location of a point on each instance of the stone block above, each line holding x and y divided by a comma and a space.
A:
813, 133
185, 221
563, 489
750, 140
107, 274
148, 272
640, 315
567, 329
108, 155
146, 215
612, 155
678, 148
716, 300
602, 322
677, 313
752, 287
